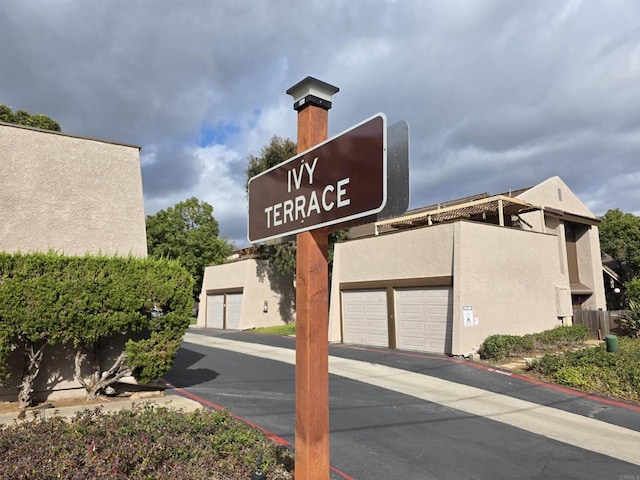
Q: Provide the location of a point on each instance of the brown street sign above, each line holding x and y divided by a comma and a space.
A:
339, 180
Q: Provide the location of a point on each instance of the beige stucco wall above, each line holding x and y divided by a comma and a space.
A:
590, 268
417, 253
509, 277
249, 275
554, 193
69, 194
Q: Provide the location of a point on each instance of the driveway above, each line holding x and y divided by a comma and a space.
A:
402, 415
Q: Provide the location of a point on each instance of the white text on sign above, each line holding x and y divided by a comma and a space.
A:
296, 209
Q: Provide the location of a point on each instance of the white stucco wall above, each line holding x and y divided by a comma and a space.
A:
69, 194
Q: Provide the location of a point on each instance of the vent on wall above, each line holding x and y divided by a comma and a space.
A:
560, 194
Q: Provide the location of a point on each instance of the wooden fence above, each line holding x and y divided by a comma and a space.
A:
600, 322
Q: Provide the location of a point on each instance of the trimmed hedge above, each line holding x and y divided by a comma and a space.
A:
499, 347
89, 303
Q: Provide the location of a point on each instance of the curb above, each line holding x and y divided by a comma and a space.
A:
176, 402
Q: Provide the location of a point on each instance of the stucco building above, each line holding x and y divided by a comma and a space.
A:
443, 278
244, 294
440, 279
70, 194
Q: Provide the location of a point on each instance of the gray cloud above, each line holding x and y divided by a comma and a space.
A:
498, 94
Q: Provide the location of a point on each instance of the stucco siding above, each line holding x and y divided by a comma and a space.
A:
554, 193
417, 253
508, 277
251, 277
590, 268
69, 194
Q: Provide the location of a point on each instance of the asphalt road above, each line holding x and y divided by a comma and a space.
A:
459, 432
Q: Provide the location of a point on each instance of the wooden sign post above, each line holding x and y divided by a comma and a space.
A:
329, 184
312, 100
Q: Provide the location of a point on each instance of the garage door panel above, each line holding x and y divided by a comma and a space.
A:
436, 327
417, 343
438, 310
416, 326
365, 317
424, 319
412, 309
215, 311
234, 310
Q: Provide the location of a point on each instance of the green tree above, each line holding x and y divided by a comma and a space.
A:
188, 233
620, 238
278, 150
21, 117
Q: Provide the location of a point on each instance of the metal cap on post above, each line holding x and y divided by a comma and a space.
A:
312, 91
312, 100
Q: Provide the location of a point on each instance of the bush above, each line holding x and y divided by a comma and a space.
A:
144, 443
632, 290
596, 370
88, 302
499, 347
561, 337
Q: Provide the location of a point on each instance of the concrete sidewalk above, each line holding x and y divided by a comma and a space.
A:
570, 428
167, 400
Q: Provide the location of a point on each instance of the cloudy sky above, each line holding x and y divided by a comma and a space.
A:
499, 94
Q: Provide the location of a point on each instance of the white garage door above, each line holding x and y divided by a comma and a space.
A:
424, 319
364, 314
234, 310
215, 311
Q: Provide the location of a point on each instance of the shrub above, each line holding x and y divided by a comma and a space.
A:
596, 370
144, 443
630, 321
561, 337
89, 302
498, 347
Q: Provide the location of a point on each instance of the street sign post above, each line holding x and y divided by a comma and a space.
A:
330, 184
339, 180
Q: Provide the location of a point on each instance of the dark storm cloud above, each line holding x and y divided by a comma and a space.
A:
169, 170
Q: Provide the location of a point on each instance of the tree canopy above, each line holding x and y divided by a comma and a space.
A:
188, 233
620, 239
21, 117
278, 150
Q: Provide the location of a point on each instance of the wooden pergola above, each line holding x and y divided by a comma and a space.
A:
494, 209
